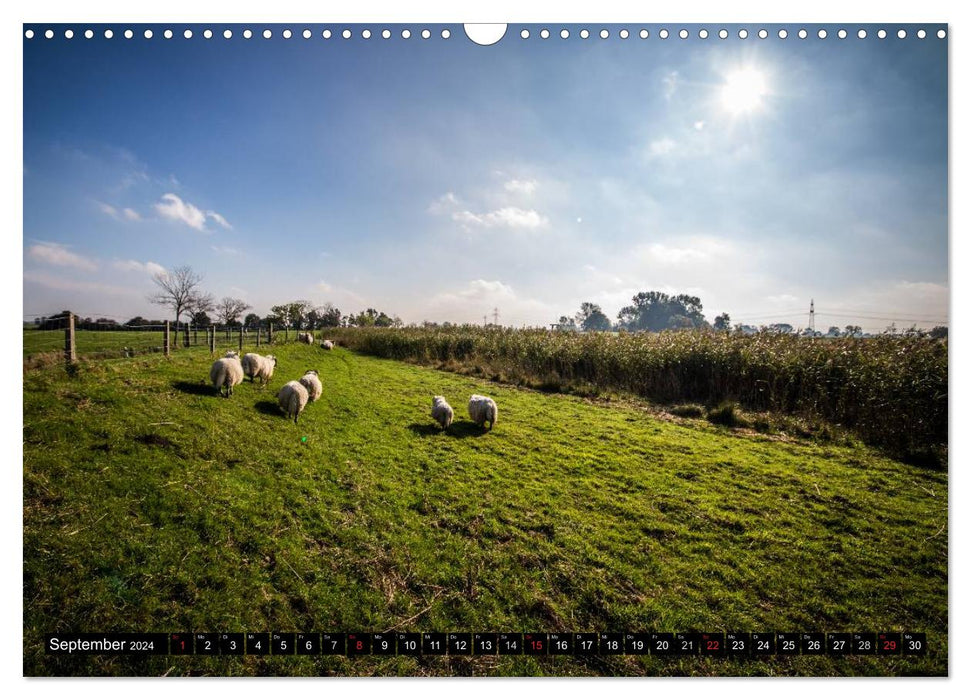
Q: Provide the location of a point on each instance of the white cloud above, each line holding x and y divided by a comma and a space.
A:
226, 250
487, 289
108, 210
526, 187
661, 147
57, 254
342, 298
480, 297
66, 285
127, 214
447, 202
670, 84
149, 267
930, 290
594, 275
509, 217
172, 207
699, 125
698, 249
219, 219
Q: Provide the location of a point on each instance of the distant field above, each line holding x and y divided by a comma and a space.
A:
150, 504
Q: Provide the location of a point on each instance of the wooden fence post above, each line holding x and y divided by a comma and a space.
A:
70, 352
257, 336
269, 333
185, 335
286, 334
212, 340
166, 340
195, 335
240, 339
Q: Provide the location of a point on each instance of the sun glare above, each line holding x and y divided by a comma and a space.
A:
743, 90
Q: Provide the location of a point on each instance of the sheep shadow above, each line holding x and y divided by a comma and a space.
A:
194, 388
269, 408
460, 429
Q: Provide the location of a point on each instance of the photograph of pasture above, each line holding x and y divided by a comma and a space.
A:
621, 330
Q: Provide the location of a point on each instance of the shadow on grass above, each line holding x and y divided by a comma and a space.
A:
461, 429
269, 408
194, 388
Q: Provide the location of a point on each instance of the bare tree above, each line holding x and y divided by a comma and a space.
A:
177, 290
200, 304
230, 309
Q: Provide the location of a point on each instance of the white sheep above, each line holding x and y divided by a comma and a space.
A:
327, 345
311, 382
305, 337
231, 353
483, 410
442, 412
226, 372
293, 398
258, 366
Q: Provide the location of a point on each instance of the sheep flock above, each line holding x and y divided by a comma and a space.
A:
229, 371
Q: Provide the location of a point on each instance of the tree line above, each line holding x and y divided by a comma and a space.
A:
656, 311
181, 292
648, 311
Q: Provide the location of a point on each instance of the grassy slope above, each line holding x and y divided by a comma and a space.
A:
152, 505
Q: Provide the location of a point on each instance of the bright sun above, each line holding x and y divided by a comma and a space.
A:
743, 90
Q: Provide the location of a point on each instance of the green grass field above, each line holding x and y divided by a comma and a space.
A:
87, 342
150, 504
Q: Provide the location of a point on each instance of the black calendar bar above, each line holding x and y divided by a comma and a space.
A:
733, 645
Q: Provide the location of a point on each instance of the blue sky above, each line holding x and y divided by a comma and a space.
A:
435, 179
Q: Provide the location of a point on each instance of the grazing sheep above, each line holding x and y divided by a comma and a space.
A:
226, 372
232, 353
327, 345
483, 410
311, 382
305, 337
442, 412
258, 366
292, 397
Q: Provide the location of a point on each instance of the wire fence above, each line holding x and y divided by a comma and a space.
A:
70, 337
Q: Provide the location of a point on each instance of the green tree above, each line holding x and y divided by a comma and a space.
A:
293, 314
938, 332
657, 311
592, 318
330, 316
723, 322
